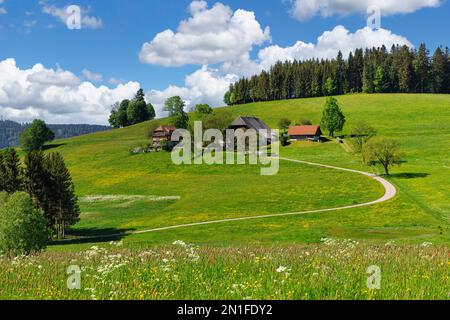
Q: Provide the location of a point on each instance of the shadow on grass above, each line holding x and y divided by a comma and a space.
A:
91, 235
410, 175
53, 146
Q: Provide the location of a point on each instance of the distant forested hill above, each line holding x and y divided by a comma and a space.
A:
10, 131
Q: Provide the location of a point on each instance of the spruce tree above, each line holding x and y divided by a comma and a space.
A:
422, 65
140, 95
36, 180
405, 70
13, 172
63, 210
438, 71
368, 74
2, 172
359, 67
340, 74
447, 71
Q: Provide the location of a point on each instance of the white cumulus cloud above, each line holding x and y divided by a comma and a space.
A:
306, 9
205, 85
209, 36
219, 35
55, 95
209, 85
91, 76
330, 43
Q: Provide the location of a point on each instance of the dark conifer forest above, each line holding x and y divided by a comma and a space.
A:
377, 70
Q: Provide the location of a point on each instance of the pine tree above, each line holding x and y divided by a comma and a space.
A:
368, 74
63, 210
422, 66
359, 69
330, 87
438, 71
316, 75
151, 111
340, 74
140, 95
2, 172
405, 70
447, 71
263, 91
380, 83
13, 173
36, 179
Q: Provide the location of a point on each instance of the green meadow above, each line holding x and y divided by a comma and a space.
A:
119, 193
101, 165
332, 270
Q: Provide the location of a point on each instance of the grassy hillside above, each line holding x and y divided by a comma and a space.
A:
101, 165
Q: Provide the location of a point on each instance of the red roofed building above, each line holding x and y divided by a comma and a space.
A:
299, 133
163, 133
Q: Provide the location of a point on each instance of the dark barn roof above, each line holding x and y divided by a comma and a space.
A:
249, 123
252, 123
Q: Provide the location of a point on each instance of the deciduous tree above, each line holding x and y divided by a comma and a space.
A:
22, 227
35, 135
383, 151
332, 118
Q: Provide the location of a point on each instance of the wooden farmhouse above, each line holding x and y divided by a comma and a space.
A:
163, 133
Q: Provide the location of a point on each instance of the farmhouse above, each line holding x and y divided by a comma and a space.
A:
247, 123
299, 133
163, 133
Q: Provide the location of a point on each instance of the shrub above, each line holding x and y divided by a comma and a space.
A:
22, 227
304, 122
284, 139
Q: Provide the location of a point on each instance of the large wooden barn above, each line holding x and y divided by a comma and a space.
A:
247, 123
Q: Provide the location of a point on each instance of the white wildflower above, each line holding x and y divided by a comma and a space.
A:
281, 269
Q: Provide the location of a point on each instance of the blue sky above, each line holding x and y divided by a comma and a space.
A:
107, 48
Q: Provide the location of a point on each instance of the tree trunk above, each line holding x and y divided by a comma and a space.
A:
386, 169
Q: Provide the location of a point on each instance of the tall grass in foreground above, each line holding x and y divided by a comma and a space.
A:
332, 270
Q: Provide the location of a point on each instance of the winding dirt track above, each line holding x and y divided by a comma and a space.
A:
390, 192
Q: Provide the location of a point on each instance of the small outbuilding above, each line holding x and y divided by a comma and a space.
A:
302, 133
